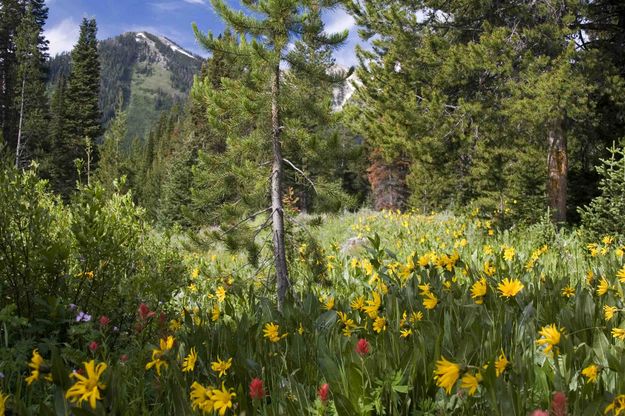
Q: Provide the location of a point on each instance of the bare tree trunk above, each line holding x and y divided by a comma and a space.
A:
18, 148
277, 212
558, 166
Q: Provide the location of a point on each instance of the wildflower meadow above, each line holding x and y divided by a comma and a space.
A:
390, 313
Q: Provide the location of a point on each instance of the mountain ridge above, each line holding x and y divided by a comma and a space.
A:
149, 73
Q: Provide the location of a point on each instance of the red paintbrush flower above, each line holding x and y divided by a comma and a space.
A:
362, 347
323, 392
257, 391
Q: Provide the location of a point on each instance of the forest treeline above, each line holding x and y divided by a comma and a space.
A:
502, 106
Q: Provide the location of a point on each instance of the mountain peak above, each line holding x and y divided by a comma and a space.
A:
154, 40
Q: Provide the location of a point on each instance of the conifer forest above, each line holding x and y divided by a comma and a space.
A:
312, 207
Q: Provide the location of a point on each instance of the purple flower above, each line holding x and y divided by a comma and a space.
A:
83, 317
72, 306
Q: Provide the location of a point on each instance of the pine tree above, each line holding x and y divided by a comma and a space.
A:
82, 116
113, 163
280, 20
30, 95
10, 16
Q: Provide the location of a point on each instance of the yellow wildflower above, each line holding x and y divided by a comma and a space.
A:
501, 363
510, 287
470, 382
379, 324
405, 333
617, 406
568, 292
430, 302
300, 329
618, 333
488, 249
88, 387
329, 303
508, 253
188, 363
221, 367
446, 374
220, 294
348, 324
416, 316
621, 274
589, 277
358, 303
591, 373
166, 344
222, 399
603, 287
478, 291
550, 337
609, 312
195, 273
36, 364
174, 325
272, 332
424, 288
3, 403
607, 240
200, 398
215, 313
372, 306
489, 269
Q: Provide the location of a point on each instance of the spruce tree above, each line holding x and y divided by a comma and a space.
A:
112, 156
277, 23
30, 96
82, 115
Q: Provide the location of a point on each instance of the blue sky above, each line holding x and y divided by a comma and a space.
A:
171, 18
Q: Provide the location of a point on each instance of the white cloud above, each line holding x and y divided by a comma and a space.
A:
338, 21
195, 1
62, 36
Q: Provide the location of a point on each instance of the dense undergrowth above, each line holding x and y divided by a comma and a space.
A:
390, 313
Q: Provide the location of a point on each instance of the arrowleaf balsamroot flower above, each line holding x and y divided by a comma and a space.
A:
379, 324
568, 292
618, 333
603, 287
166, 344
272, 332
372, 306
3, 403
617, 406
430, 302
222, 399
550, 337
36, 364
88, 387
188, 364
591, 373
478, 291
501, 363
509, 288
446, 374
200, 398
609, 312
470, 382
220, 366
621, 275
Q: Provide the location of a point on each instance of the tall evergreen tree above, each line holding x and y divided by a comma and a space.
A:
278, 22
82, 115
10, 16
30, 95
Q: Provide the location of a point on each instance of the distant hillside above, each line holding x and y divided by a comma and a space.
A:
151, 72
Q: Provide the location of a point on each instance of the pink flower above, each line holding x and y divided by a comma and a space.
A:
104, 320
323, 392
123, 358
539, 412
362, 347
93, 346
257, 391
558, 404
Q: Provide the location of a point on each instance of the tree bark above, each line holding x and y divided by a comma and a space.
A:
558, 166
277, 211
18, 148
